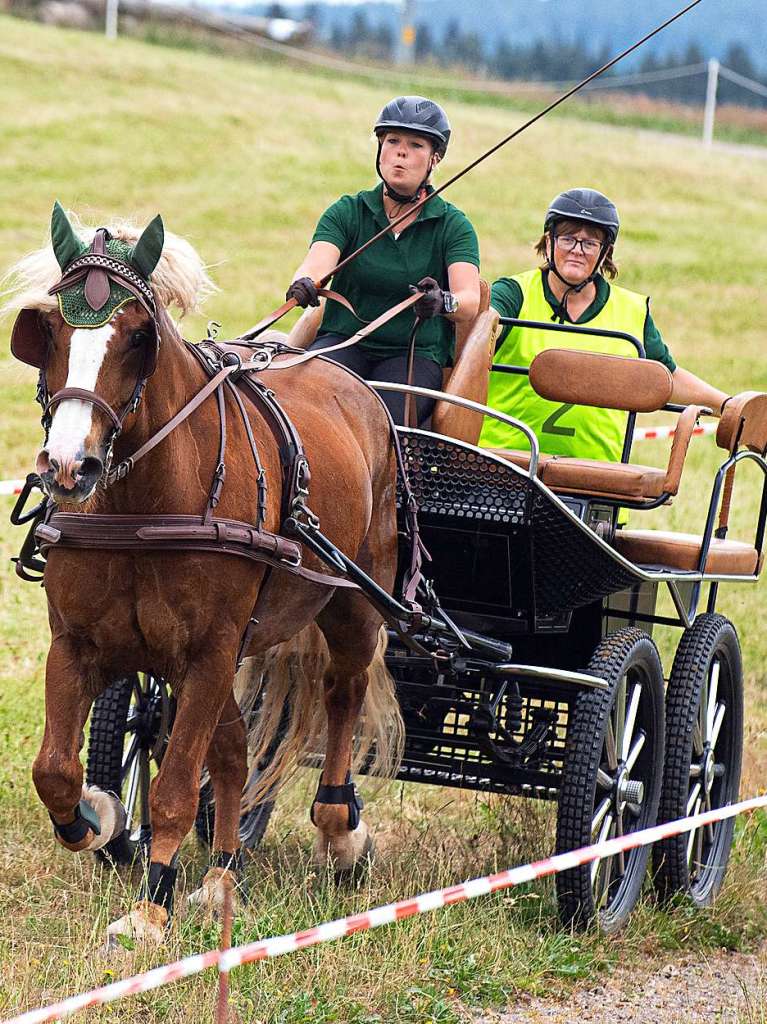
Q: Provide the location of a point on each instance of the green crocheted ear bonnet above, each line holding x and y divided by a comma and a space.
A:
99, 279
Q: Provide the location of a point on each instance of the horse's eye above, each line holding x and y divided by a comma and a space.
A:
140, 338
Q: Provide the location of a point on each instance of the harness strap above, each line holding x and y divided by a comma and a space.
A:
122, 469
82, 395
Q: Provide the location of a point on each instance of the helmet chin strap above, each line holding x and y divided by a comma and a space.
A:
572, 289
399, 197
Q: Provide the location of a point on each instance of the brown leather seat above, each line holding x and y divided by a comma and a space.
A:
682, 551
592, 477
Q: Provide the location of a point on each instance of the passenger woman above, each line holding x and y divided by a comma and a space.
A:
434, 248
573, 285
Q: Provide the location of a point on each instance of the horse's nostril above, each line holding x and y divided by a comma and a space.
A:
89, 469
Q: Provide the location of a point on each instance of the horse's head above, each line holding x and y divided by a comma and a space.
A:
94, 334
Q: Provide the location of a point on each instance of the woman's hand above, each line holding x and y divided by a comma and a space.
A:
432, 302
304, 291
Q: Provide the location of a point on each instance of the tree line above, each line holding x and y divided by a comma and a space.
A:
546, 60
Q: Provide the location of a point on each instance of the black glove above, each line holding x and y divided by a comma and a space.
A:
432, 303
304, 291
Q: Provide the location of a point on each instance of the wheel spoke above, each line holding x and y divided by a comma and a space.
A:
129, 756
695, 771
604, 833
131, 794
610, 747
697, 739
694, 797
620, 716
599, 815
636, 750
711, 702
691, 839
709, 828
631, 715
716, 727
699, 842
621, 856
603, 779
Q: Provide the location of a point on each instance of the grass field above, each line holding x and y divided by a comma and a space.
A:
241, 159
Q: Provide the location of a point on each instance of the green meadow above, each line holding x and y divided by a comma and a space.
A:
241, 158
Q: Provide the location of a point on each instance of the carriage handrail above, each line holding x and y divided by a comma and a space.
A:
467, 403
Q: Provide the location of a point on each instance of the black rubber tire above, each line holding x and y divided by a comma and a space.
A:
711, 640
609, 896
109, 762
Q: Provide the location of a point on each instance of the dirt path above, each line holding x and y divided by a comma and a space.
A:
723, 988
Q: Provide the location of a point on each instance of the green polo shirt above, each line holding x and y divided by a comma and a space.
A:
507, 299
378, 279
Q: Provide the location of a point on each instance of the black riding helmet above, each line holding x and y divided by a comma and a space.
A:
415, 114
589, 207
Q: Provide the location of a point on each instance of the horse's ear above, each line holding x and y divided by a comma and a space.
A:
148, 249
66, 245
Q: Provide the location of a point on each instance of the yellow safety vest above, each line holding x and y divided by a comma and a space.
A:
580, 431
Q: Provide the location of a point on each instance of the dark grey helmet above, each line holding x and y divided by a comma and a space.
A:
416, 114
587, 205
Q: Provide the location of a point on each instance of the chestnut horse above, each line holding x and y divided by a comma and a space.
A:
183, 614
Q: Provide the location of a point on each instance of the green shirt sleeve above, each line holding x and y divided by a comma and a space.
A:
654, 345
506, 296
461, 243
335, 223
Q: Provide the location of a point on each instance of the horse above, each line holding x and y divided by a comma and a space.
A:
93, 316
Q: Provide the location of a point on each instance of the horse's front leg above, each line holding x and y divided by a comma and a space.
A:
84, 817
227, 763
201, 696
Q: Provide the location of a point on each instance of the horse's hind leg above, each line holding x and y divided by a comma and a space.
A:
351, 627
228, 766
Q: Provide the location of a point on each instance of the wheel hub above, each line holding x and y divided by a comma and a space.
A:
627, 791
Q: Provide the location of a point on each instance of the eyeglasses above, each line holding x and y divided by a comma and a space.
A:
568, 243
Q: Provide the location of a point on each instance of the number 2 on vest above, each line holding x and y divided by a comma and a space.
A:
550, 424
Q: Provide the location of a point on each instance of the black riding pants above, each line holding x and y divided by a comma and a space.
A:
426, 374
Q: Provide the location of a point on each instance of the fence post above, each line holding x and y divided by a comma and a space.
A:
710, 111
405, 50
110, 23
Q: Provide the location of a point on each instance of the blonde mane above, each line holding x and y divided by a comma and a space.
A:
179, 280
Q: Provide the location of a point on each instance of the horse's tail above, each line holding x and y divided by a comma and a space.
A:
281, 697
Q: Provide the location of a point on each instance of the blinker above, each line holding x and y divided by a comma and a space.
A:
28, 340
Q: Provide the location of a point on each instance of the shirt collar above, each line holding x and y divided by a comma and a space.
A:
433, 208
600, 299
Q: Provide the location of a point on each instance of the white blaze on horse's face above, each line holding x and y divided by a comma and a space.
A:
62, 460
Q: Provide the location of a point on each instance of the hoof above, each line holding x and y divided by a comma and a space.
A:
112, 818
346, 853
145, 924
212, 892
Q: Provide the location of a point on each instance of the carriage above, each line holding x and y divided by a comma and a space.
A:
530, 669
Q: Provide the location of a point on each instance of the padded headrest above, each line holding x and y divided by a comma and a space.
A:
749, 409
609, 382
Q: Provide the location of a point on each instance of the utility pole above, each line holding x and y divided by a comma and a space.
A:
406, 42
110, 22
710, 111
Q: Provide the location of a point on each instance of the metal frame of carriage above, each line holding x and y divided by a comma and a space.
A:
525, 673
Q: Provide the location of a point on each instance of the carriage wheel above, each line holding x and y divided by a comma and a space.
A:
130, 724
704, 748
611, 779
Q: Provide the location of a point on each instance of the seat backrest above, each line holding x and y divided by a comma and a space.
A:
608, 382
470, 378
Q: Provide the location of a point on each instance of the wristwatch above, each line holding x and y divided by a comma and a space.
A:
449, 304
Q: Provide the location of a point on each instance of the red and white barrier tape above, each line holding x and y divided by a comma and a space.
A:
654, 433
640, 434
280, 945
